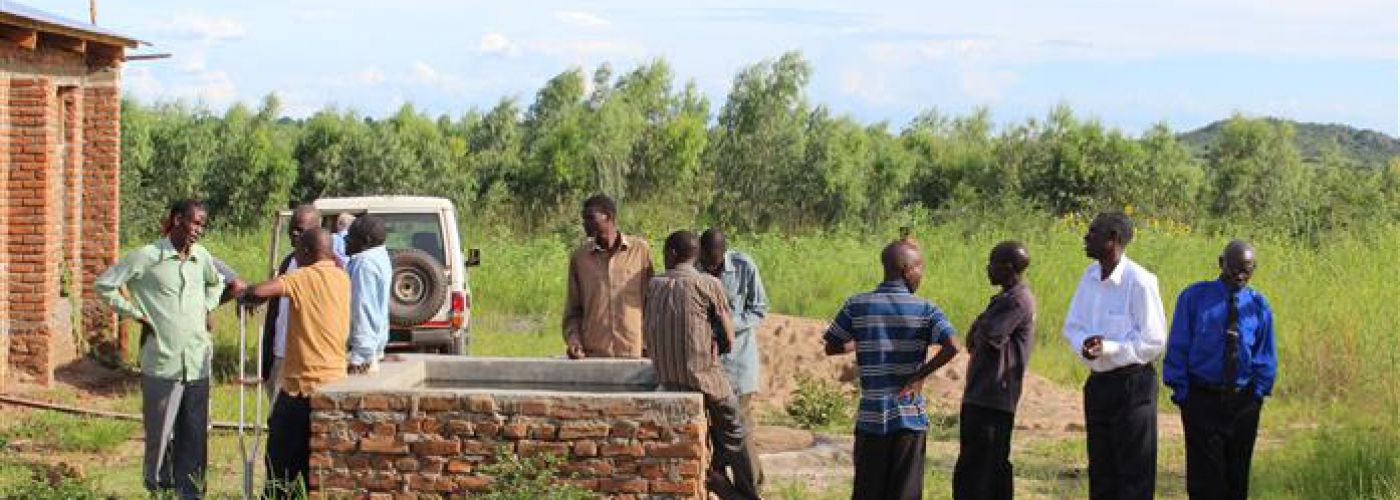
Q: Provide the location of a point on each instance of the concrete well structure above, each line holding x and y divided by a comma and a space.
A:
428, 425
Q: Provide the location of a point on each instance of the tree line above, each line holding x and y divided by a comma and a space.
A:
767, 159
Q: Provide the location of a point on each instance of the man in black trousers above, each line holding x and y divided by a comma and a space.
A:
999, 343
1221, 363
1117, 326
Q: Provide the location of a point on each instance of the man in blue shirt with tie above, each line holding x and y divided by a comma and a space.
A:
1220, 365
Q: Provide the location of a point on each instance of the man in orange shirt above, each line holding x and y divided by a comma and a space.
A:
318, 328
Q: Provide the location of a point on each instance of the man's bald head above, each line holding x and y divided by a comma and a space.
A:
313, 246
304, 217
1237, 263
902, 260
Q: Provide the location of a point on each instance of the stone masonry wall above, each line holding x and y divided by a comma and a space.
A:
434, 445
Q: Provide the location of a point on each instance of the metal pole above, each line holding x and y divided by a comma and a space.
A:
242, 396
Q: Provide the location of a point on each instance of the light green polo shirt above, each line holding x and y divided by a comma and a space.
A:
175, 296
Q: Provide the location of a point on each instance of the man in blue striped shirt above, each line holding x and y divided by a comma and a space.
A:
1220, 364
890, 329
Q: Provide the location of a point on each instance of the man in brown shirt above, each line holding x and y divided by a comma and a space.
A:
318, 328
608, 276
687, 327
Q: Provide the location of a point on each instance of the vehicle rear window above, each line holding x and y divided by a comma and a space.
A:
421, 231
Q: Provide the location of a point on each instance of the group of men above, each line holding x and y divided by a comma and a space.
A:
329, 317
1220, 363
698, 322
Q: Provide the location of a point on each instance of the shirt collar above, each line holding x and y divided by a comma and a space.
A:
626, 243
366, 252
893, 286
684, 268
1116, 277
167, 249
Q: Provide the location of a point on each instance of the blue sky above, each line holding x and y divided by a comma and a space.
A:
1129, 63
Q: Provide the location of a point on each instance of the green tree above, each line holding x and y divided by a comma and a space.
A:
758, 143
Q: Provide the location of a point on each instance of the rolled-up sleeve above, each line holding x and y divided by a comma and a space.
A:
755, 300
109, 285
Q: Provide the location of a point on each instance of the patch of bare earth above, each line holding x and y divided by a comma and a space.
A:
791, 347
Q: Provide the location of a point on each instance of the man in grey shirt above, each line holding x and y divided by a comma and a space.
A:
999, 343
748, 304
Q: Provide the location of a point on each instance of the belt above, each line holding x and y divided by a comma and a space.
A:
1221, 389
1126, 370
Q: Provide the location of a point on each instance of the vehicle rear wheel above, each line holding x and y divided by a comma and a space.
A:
418, 288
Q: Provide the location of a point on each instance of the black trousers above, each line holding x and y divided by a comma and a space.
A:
983, 471
175, 417
288, 447
889, 467
1220, 430
1120, 415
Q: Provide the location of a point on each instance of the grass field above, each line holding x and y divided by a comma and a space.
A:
1335, 414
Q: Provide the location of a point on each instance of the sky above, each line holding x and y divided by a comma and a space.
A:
1128, 63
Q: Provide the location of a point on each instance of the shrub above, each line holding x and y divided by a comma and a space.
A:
529, 478
818, 403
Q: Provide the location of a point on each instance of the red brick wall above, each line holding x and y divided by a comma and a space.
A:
100, 207
5, 131
386, 445
34, 218
57, 214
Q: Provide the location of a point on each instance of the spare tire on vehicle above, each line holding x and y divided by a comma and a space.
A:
418, 288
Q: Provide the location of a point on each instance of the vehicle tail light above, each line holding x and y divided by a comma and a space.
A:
460, 303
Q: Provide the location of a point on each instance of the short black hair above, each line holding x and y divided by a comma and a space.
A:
602, 203
1014, 253
185, 207
370, 229
684, 244
711, 237
1117, 223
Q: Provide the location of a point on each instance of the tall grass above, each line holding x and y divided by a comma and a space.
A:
1334, 303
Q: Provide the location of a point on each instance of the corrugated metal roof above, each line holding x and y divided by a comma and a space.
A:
45, 18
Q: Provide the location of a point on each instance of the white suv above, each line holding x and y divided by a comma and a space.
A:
429, 300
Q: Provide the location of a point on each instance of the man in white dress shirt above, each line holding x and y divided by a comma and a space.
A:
1117, 327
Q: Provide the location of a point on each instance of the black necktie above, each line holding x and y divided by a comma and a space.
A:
1232, 342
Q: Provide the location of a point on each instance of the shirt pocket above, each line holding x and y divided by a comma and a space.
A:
1117, 325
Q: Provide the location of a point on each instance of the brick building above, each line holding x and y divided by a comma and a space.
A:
60, 102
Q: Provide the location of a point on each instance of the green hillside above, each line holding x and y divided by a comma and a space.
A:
1354, 146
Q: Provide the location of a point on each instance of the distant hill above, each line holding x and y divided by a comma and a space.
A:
1360, 147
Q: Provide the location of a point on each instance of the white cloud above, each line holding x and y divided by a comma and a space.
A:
425, 74
578, 50
370, 77
319, 15
205, 27
871, 87
580, 18
194, 62
141, 81
215, 88
987, 85
496, 44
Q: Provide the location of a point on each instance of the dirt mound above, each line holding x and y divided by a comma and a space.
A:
791, 346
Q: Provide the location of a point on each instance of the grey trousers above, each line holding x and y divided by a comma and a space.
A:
175, 417
273, 384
